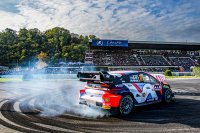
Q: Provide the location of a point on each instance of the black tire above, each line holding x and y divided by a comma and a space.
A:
126, 105
167, 95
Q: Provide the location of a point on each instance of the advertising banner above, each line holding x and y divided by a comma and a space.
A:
110, 43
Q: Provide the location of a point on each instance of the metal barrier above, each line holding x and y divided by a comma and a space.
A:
176, 73
182, 74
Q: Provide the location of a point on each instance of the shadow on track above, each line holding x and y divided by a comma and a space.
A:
182, 111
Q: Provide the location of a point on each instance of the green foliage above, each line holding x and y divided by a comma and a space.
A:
74, 52
167, 72
59, 44
196, 71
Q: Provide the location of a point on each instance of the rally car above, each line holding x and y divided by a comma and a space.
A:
124, 90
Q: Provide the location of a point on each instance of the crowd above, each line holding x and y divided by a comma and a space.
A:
154, 60
121, 58
185, 62
115, 58
149, 69
144, 58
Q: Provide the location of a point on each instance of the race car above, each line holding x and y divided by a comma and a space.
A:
122, 91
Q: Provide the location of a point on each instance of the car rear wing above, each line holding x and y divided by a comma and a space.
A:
97, 77
89, 76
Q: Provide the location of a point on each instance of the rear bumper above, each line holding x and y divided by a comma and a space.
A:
104, 104
95, 104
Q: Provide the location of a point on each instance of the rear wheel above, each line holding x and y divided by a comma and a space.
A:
167, 95
126, 105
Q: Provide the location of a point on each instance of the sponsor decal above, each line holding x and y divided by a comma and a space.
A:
111, 43
119, 85
99, 43
157, 87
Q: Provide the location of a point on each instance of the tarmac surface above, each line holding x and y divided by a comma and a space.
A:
50, 107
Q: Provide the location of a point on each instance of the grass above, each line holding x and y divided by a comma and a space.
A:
4, 80
181, 77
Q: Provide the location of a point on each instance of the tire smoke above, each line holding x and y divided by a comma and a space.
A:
54, 97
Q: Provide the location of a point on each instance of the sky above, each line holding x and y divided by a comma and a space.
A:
136, 20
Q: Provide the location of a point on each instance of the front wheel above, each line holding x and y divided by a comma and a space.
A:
167, 95
126, 105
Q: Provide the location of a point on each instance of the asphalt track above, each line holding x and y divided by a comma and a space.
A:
20, 111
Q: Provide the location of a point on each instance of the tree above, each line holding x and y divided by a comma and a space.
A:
8, 39
75, 38
25, 46
57, 38
93, 37
74, 52
33, 41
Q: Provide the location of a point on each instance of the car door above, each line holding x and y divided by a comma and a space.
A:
148, 90
134, 87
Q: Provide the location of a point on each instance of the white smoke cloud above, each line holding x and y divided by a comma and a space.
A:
130, 19
52, 98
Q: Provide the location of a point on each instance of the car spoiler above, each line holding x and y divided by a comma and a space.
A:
96, 77
89, 76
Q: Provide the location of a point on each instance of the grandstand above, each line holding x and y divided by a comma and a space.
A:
137, 55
